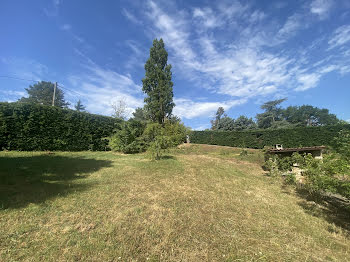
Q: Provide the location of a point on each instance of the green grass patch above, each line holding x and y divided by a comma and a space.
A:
199, 203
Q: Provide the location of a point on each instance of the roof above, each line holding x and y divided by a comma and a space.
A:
297, 149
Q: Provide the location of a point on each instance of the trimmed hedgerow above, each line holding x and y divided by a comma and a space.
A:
29, 127
294, 137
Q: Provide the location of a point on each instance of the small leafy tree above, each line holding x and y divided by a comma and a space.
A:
119, 109
127, 139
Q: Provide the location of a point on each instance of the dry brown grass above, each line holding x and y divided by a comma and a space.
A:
201, 204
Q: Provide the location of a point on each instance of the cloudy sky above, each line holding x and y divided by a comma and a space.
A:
235, 54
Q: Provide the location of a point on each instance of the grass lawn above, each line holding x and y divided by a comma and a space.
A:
200, 203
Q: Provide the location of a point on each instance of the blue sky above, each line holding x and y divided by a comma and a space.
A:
235, 54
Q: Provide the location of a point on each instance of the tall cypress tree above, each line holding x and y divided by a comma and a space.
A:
157, 84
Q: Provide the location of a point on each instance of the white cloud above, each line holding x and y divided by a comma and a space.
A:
321, 8
138, 56
12, 93
130, 16
291, 26
247, 66
202, 127
101, 87
207, 17
308, 81
186, 108
173, 33
340, 37
26, 68
66, 27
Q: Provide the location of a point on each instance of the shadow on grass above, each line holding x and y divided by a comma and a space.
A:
326, 207
165, 157
35, 179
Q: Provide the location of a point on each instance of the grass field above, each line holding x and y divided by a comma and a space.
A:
199, 203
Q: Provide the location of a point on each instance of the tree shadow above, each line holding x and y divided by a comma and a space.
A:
330, 209
167, 157
35, 179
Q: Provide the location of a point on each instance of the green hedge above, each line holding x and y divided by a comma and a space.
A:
30, 127
295, 137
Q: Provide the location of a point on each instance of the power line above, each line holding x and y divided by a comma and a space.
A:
70, 90
23, 79
32, 80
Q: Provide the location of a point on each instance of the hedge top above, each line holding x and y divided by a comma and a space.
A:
293, 137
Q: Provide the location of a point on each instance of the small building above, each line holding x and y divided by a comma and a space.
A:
315, 151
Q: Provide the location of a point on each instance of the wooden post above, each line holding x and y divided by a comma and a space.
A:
54, 94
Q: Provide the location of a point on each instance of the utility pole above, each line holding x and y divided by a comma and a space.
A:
54, 94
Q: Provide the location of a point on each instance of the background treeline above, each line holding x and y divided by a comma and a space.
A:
289, 137
275, 117
31, 126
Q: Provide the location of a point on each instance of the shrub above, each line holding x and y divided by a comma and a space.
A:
328, 175
271, 165
290, 179
293, 137
128, 139
135, 137
29, 127
158, 146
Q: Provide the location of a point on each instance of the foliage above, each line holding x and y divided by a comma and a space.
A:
157, 84
215, 123
290, 179
127, 139
229, 124
272, 166
27, 126
342, 144
136, 136
119, 109
42, 93
140, 114
284, 163
79, 106
158, 146
224, 124
244, 123
272, 113
293, 137
276, 117
307, 115
329, 175
332, 174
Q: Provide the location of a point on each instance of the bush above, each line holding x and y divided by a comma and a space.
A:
29, 127
128, 139
271, 165
328, 175
294, 137
135, 137
290, 179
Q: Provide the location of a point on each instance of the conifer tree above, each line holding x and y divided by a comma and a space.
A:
157, 84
